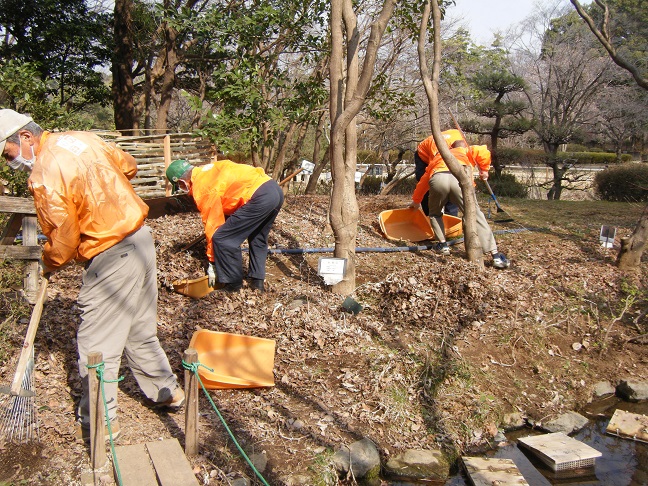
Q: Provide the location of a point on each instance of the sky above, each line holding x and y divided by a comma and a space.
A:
483, 17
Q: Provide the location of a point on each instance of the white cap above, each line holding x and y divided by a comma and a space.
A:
10, 123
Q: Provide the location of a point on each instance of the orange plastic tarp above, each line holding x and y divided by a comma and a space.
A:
238, 361
413, 225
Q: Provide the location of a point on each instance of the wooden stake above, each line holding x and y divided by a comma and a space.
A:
97, 422
191, 411
167, 162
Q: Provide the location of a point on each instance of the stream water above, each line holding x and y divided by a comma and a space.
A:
624, 462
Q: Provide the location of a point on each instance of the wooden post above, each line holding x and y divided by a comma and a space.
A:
97, 422
167, 162
191, 412
30, 238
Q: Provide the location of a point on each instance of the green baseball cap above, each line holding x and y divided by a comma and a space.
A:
176, 169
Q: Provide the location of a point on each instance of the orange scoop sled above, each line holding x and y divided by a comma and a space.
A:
238, 361
413, 225
195, 288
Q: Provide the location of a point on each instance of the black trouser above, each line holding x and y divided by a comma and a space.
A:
419, 170
252, 221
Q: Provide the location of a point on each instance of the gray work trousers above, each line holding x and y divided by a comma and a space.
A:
445, 187
118, 304
253, 222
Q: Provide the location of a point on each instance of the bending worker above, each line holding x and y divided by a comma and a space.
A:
236, 202
444, 187
425, 153
89, 212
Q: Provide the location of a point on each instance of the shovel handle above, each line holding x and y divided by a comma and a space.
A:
493, 195
25, 354
290, 176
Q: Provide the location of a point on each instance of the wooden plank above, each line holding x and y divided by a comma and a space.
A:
30, 240
9, 204
135, 466
488, 471
559, 451
628, 425
11, 229
171, 465
20, 252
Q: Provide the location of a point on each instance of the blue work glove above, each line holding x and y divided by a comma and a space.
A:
211, 275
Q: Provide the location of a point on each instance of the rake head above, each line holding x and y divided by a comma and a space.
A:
18, 421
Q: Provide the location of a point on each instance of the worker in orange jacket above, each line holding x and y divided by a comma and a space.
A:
443, 187
237, 202
89, 212
425, 153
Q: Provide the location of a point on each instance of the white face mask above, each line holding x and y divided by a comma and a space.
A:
21, 163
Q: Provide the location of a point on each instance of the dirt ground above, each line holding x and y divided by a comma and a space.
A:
438, 355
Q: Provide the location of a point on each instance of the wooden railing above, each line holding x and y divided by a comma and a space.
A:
22, 215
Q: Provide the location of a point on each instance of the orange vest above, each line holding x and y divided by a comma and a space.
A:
219, 189
427, 149
84, 200
479, 154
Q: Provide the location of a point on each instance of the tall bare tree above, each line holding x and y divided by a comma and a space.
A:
565, 72
122, 66
347, 96
463, 173
602, 33
632, 247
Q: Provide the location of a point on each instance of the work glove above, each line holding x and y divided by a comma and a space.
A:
483, 174
211, 275
415, 206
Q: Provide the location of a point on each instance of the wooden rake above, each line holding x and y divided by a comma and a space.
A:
18, 415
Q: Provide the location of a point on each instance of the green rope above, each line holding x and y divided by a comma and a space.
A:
193, 367
99, 368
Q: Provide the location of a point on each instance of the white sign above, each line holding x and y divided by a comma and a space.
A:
607, 235
332, 270
307, 166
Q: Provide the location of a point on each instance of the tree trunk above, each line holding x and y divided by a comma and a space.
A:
629, 257
462, 173
344, 206
122, 67
168, 79
494, 138
394, 183
556, 189
344, 107
311, 187
283, 148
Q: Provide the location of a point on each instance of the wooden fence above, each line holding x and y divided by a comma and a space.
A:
155, 152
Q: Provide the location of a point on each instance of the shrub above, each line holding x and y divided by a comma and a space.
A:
626, 182
371, 185
505, 185
513, 156
593, 158
14, 181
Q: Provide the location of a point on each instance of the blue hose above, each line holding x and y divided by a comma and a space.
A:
388, 249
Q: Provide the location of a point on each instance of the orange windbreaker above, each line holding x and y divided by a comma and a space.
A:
427, 149
480, 156
219, 189
83, 199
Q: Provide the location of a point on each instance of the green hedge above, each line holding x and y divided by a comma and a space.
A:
627, 182
504, 185
513, 156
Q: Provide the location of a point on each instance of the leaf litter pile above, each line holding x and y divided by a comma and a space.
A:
439, 354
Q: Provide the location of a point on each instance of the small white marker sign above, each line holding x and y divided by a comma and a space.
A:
607, 236
332, 270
